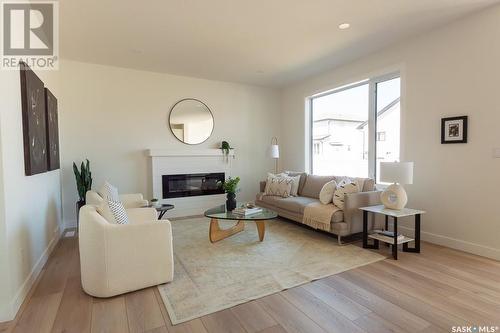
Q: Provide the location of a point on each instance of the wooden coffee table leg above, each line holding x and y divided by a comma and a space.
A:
261, 228
216, 233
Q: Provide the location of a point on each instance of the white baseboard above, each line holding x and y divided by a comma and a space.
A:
457, 244
35, 272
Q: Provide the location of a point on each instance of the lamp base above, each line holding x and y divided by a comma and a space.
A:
394, 197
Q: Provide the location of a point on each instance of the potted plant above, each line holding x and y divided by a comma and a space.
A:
83, 179
154, 202
230, 186
226, 148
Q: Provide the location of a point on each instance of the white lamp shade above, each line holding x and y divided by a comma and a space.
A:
396, 172
274, 152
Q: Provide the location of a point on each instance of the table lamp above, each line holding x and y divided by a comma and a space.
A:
394, 196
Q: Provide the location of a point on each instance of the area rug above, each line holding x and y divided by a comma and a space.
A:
212, 277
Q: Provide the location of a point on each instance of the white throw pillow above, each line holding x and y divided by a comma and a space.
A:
343, 188
278, 186
327, 191
109, 192
295, 185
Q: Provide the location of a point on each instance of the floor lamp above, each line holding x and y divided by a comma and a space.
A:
274, 152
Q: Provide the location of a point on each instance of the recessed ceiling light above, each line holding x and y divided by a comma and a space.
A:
344, 26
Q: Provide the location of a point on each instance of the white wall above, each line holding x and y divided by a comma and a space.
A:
451, 71
30, 207
112, 115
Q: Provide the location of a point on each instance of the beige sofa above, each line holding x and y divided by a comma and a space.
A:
344, 223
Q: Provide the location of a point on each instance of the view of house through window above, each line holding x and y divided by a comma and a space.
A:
337, 118
388, 107
341, 125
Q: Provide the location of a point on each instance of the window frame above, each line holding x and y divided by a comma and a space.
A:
372, 117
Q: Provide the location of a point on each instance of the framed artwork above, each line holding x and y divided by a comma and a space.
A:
34, 125
454, 130
51, 119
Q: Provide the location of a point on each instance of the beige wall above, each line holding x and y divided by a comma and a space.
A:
112, 115
448, 72
30, 207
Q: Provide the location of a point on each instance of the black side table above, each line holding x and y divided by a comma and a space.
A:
163, 209
380, 209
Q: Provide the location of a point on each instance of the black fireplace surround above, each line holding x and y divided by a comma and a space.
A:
189, 185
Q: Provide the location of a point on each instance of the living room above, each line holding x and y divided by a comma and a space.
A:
258, 74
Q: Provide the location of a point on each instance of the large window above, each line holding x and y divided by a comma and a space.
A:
354, 128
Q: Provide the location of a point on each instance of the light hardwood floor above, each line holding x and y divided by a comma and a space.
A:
428, 292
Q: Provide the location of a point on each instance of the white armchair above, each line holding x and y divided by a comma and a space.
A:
135, 200
119, 258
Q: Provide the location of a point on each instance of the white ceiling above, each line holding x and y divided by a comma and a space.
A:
264, 42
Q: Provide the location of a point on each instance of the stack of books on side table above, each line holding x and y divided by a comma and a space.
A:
388, 236
245, 211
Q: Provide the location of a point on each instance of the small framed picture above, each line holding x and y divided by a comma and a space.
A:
454, 130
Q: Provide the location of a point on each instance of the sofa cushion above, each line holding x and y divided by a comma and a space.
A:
302, 180
369, 185
268, 199
326, 193
343, 188
294, 205
365, 184
278, 185
314, 184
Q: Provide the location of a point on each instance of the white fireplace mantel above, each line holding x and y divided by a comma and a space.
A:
187, 152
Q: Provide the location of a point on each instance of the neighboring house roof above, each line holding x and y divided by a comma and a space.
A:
337, 119
321, 137
381, 112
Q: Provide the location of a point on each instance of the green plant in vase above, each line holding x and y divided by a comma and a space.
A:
226, 148
230, 186
83, 179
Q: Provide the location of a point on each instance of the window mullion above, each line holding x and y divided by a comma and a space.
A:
372, 128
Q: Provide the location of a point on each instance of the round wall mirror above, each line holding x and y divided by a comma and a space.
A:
191, 121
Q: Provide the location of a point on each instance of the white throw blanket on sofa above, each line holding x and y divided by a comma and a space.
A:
319, 216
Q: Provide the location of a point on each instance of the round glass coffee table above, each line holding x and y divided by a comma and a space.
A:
219, 213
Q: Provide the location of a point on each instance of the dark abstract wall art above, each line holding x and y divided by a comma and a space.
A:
52, 130
34, 124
